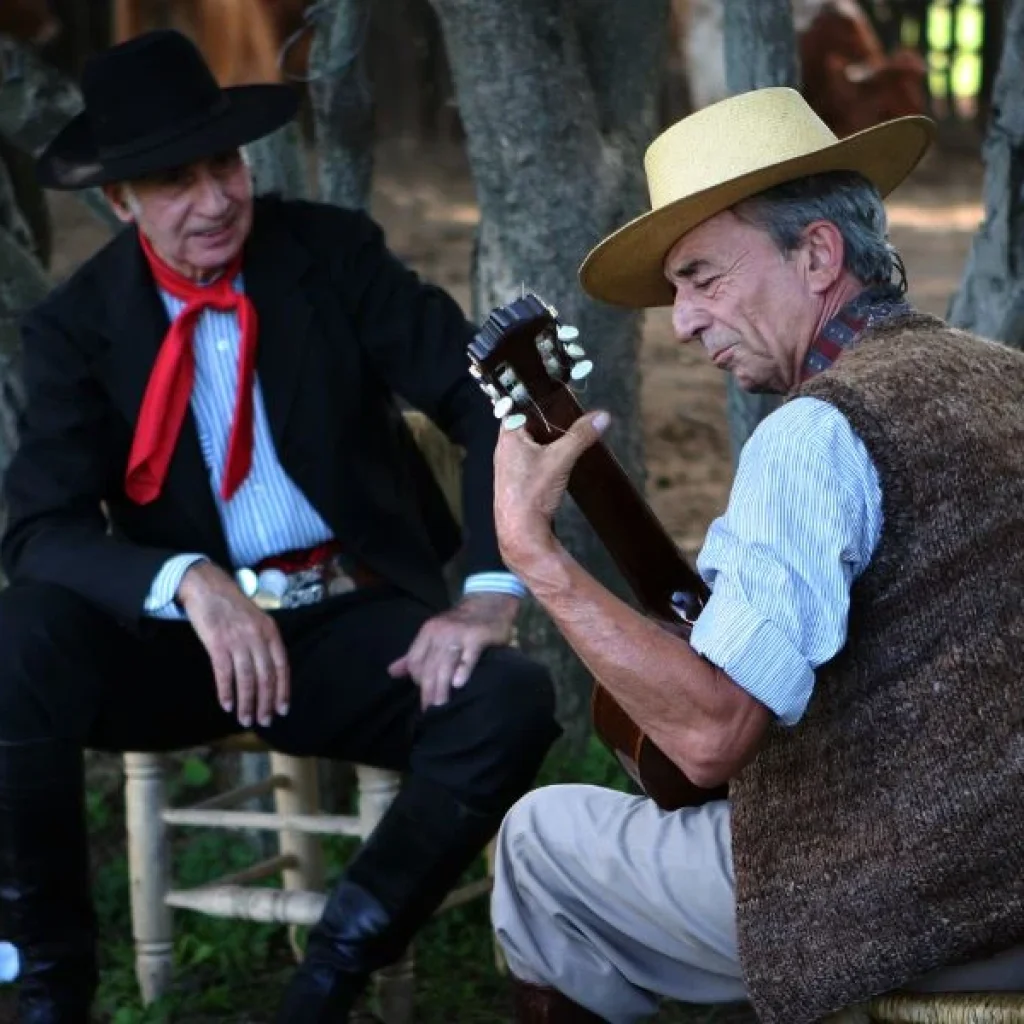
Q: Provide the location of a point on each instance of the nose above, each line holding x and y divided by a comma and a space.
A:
212, 200
687, 319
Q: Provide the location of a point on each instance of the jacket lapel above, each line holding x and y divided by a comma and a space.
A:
136, 330
275, 264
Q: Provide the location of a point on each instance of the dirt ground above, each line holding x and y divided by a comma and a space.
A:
426, 204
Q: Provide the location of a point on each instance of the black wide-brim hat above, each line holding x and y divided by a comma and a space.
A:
152, 104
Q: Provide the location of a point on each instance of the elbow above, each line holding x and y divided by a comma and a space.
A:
706, 760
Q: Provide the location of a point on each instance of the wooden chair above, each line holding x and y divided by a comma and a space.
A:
296, 819
935, 1008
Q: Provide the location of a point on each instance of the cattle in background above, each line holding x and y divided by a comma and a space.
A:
241, 39
848, 78
850, 81
31, 21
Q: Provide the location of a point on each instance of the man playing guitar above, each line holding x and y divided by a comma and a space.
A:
854, 676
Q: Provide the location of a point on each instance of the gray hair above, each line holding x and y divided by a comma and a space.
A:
846, 199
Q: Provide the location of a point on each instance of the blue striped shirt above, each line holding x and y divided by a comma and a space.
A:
268, 514
802, 523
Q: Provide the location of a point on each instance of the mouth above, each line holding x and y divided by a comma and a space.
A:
218, 234
721, 357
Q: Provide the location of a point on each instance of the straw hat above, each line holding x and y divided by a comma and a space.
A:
726, 152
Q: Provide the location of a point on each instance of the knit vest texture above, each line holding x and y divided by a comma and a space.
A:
883, 836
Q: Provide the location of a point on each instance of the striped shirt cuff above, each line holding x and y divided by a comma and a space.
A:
159, 603
493, 583
756, 655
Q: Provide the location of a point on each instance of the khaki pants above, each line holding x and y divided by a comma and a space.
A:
616, 903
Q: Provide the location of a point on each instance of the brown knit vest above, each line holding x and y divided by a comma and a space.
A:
883, 836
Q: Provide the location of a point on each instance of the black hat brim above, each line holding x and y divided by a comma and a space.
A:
72, 159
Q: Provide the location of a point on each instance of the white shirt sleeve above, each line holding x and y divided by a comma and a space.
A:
802, 523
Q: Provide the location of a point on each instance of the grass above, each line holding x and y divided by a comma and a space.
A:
231, 971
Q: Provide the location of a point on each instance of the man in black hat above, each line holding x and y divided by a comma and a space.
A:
218, 521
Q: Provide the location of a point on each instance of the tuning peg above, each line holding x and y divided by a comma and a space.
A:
475, 371
514, 422
567, 333
502, 407
574, 351
581, 369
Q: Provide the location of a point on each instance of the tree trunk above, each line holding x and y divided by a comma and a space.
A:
760, 51
36, 101
990, 297
558, 102
278, 163
23, 283
342, 103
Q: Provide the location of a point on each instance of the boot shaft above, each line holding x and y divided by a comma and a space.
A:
45, 901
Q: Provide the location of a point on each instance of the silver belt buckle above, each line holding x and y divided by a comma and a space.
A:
274, 588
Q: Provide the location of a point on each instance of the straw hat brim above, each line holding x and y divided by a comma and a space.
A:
626, 268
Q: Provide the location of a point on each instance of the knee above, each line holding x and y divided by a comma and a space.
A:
518, 695
45, 631
528, 840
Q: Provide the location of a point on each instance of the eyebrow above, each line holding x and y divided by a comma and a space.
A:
688, 270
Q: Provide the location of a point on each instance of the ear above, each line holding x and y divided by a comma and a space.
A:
823, 251
115, 196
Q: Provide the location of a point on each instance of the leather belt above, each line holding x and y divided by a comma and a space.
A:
294, 579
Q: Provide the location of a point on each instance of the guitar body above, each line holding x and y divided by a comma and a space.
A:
524, 360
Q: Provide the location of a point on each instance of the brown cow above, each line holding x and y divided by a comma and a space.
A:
849, 80
847, 76
241, 39
31, 21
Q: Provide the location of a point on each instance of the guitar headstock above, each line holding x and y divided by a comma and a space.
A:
522, 355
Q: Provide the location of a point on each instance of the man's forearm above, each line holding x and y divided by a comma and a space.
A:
692, 711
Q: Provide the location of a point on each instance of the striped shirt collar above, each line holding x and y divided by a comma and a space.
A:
875, 305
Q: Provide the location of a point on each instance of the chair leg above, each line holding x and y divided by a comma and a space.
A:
491, 853
149, 871
300, 796
395, 985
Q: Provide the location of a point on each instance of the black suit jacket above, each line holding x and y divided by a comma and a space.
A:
344, 328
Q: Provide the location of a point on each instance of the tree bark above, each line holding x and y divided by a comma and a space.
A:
558, 102
278, 163
989, 300
36, 101
23, 283
342, 103
760, 51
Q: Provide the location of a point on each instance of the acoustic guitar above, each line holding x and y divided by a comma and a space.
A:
528, 362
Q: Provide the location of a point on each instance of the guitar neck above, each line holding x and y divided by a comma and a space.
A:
645, 554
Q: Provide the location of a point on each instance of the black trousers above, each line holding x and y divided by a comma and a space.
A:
69, 671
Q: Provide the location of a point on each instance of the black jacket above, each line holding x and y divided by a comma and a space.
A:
344, 328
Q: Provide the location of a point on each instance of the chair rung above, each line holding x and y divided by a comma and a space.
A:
241, 793
281, 906
312, 824
256, 872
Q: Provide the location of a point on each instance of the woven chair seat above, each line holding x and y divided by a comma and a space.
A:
961, 1008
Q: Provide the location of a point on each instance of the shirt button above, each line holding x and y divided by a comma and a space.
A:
222, 345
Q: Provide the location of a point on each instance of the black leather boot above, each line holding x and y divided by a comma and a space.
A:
45, 905
401, 874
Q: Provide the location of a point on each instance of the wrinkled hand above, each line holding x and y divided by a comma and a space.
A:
448, 646
250, 665
529, 484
